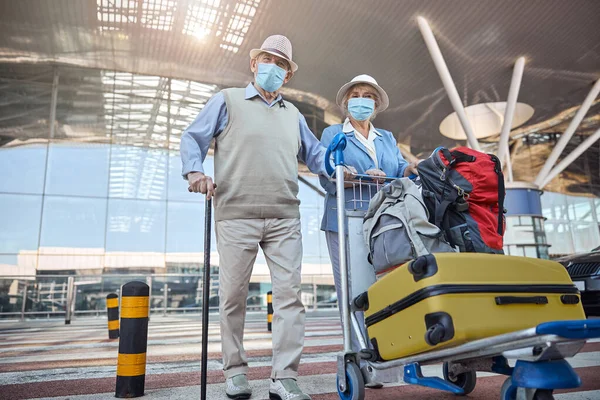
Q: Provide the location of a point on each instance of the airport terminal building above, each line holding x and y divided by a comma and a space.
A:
95, 95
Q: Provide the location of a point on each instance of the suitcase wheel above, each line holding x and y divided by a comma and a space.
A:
435, 334
361, 302
465, 380
423, 267
509, 392
355, 388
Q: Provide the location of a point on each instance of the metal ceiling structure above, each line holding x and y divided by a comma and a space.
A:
104, 47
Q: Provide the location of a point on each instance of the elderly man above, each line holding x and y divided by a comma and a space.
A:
258, 139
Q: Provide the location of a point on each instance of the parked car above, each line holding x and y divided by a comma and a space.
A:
584, 270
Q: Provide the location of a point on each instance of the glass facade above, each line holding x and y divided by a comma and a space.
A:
101, 195
572, 223
525, 237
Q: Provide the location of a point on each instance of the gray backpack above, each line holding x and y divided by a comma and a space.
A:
396, 227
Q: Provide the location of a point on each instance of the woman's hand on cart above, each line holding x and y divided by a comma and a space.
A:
349, 172
411, 170
349, 175
375, 173
200, 183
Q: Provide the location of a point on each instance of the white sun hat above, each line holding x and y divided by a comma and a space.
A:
384, 100
279, 46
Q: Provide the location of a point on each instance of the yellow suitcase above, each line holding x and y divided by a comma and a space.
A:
447, 299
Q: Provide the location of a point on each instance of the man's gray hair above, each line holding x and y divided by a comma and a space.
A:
289, 66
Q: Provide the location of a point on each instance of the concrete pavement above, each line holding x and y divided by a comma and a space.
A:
46, 359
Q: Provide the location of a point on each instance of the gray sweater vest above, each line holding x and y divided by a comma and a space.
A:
256, 164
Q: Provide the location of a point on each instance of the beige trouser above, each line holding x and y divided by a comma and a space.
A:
237, 243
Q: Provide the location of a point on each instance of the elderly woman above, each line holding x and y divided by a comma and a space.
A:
369, 150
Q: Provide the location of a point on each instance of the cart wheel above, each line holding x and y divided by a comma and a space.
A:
543, 394
355, 389
510, 393
507, 392
466, 380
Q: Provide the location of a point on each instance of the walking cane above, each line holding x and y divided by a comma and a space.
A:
205, 296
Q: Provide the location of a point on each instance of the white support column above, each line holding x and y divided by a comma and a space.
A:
565, 137
509, 170
509, 113
571, 157
446, 78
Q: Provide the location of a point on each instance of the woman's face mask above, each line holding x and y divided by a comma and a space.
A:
361, 108
270, 77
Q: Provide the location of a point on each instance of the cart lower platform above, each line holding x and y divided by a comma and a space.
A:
538, 355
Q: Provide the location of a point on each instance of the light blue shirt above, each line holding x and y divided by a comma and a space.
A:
212, 120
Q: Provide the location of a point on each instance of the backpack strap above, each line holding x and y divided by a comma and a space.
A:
460, 157
447, 155
469, 246
440, 212
456, 157
444, 224
501, 193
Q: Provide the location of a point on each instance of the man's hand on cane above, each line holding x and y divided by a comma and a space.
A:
200, 183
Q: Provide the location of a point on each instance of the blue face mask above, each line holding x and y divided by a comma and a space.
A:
270, 77
361, 108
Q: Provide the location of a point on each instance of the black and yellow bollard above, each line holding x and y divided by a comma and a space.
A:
269, 310
112, 311
131, 366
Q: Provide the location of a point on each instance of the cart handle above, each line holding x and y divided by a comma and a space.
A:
357, 178
337, 146
581, 329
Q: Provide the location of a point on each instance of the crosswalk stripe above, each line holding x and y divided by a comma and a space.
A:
315, 386
581, 360
13, 347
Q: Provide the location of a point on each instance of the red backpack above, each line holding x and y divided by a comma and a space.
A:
463, 190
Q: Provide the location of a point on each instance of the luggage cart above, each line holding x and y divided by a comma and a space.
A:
538, 353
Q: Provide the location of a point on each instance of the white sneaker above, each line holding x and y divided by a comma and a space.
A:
238, 387
286, 389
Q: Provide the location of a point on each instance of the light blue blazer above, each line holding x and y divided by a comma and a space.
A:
388, 157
